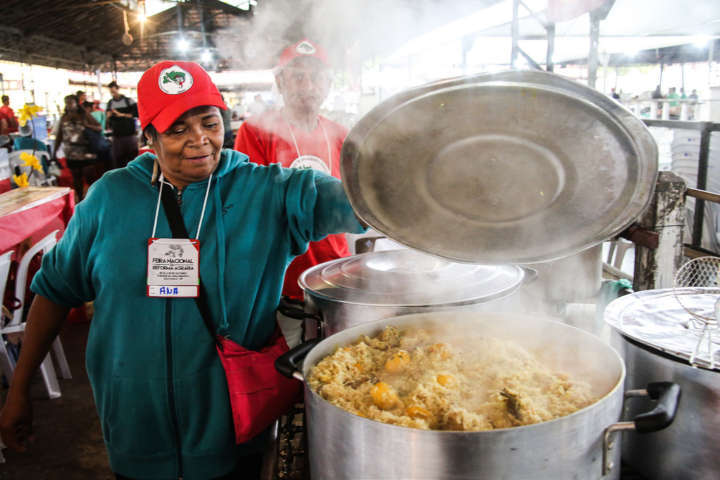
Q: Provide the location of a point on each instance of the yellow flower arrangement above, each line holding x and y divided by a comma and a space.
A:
30, 160
27, 112
21, 180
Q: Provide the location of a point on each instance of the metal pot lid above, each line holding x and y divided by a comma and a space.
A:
408, 278
656, 319
515, 167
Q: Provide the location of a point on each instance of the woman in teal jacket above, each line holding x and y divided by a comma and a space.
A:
158, 384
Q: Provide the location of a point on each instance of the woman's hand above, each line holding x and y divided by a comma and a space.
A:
16, 421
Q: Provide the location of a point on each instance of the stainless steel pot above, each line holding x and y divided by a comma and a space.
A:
345, 446
654, 338
349, 291
690, 447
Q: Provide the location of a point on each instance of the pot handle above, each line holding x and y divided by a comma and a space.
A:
667, 395
288, 363
296, 310
530, 275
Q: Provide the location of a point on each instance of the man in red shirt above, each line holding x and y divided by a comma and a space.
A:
297, 136
8, 120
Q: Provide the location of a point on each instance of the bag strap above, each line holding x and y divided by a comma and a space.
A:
177, 226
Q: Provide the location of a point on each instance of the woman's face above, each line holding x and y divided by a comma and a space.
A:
190, 149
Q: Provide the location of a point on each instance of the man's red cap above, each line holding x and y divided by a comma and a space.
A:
303, 48
168, 89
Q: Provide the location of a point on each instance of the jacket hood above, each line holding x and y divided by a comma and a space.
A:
142, 166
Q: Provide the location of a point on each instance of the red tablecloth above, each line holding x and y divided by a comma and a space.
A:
33, 212
29, 214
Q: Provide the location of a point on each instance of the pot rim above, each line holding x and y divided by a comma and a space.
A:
486, 298
666, 355
596, 404
521, 272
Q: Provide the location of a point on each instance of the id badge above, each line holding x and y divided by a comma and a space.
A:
173, 267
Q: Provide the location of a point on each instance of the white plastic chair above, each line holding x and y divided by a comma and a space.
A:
616, 253
17, 325
5, 361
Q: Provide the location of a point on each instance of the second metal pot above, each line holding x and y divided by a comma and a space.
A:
354, 290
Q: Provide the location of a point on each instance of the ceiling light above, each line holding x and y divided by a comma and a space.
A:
701, 41
183, 45
206, 56
142, 18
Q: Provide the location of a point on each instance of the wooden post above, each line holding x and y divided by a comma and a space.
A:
655, 268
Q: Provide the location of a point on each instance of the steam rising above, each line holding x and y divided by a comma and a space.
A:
351, 31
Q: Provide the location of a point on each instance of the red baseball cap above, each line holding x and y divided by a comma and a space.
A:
170, 88
303, 48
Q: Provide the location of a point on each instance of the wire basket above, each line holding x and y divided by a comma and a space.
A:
702, 276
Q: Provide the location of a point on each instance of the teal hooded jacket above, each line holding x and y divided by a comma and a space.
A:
158, 384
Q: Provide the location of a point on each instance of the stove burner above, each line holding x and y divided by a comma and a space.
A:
292, 445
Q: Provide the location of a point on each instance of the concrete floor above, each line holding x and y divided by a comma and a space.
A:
68, 440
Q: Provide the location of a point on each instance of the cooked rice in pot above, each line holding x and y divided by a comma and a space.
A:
417, 378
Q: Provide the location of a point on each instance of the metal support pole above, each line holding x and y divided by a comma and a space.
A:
201, 7
594, 46
178, 11
99, 83
515, 29
549, 65
656, 267
701, 185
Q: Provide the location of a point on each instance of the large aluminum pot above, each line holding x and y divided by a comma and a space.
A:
345, 446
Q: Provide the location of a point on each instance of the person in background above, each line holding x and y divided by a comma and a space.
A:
83, 101
297, 136
657, 95
257, 106
693, 99
8, 120
70, 134
98, 114
25, 140
674, 104
159, 387
614, 94
121, 113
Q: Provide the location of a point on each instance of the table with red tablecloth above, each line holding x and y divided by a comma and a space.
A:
32, 213
29, 214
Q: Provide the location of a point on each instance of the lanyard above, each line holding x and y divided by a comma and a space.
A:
202, 213
297, 149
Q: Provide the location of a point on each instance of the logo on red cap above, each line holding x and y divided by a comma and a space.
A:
175, 80
305, 48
